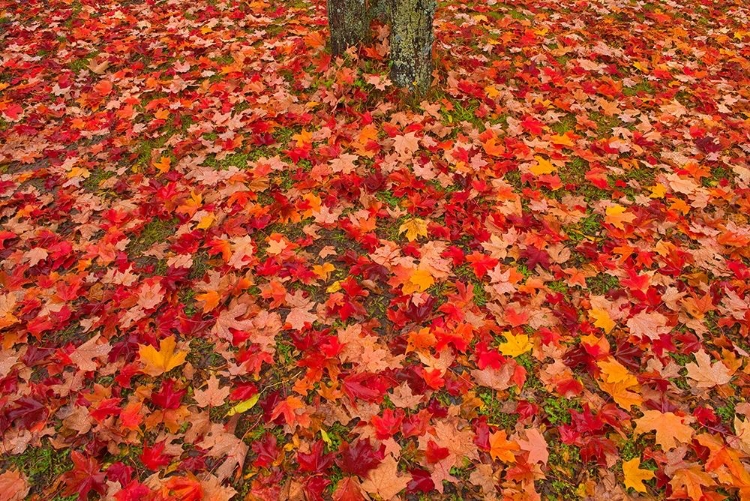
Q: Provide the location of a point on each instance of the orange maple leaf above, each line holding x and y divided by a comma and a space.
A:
163, 360
501, 448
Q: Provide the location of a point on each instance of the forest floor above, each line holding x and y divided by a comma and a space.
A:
232, 267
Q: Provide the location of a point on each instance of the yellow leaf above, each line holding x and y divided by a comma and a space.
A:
163, 360
334, 287
602, 319
419, 281
542, 167
324, 270
515, 345
617, 216
563, 140
326, 438
619, 383
414, 229
614, 372
206, 222
657, 191
634, 476
680, 205
304, 137
78, 172
244, 406
621, 393
492, 91
162, 114
163, 164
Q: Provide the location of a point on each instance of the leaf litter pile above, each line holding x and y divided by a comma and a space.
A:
234, 268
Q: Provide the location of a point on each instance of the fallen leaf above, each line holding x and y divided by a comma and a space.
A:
705, 374
635, 476
212, 396
515, 345
669, 428
501, 448
414, 228
385, 480
163, 360
617, 216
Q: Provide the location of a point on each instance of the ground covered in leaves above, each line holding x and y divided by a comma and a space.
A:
234, 268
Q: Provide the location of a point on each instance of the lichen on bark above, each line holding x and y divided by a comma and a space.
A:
349, 23
411, 43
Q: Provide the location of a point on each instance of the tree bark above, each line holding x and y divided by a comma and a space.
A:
349, 23
411, 43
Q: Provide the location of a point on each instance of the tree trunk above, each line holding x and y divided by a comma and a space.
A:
349, 23
411, 43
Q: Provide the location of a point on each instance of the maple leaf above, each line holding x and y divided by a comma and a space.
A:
210, 300
414, 228
406, 144
542, 166
649, 325
617, 216
501, 448
229, 319
622, 393
184, 488
222, 444
614, 372
212, 396
385, 480
497, 379
7, 308
35, 255
14, 485
242, 250
324, 270
157, 362
705, 374
300, 316
84, 355
535, 445
515, 345
348, 489
742, 430
690, 482
419, 281
359, 458
634, 476
602, 319
84, 477
669, 428
288, 408
150, 295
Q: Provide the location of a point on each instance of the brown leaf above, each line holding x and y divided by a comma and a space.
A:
705, 374
84, 355
212, 396
385, 481
13, 486
535, 445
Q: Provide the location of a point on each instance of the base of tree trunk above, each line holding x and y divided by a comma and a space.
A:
349, 23
411, 43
